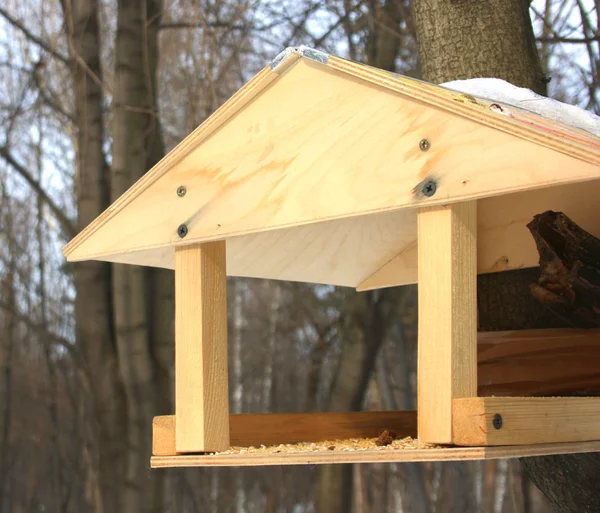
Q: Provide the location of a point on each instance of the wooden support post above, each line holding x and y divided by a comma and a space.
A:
447, 352
201, 384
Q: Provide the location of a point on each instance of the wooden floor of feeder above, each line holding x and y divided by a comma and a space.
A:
381, 455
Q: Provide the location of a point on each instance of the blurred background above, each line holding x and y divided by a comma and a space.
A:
95, 92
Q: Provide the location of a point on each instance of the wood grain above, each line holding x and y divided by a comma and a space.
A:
447, 345
503, 240
519, 122
344, 148
223, 114
287, 428
384, 456
201, 384
525, 420
539, 362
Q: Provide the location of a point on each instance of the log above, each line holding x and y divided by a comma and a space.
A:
569, 282
569, 287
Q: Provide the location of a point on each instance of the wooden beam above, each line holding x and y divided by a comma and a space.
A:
525, 420
547, 362
447, 357
372, 456
201, 384
288, 428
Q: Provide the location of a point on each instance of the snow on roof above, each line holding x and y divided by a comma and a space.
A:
494, 89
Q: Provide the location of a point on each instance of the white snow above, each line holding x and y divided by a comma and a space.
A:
503, 92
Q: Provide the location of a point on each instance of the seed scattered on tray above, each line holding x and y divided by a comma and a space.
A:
350, 444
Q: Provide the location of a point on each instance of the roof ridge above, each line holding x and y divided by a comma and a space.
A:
303, 51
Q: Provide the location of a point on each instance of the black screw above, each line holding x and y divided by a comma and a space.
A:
428, 189
497, 422
181, 190
424, 144
182, 230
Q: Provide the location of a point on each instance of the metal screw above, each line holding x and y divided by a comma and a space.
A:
428, 189
424, 144
497, 422
181, 190
182, 230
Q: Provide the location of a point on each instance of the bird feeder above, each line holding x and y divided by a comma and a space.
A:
322, 170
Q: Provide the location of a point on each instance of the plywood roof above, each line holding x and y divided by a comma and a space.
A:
313, 171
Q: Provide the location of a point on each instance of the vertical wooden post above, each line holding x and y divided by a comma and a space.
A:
201, 384
447, 351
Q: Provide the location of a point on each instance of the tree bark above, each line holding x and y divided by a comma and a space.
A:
569, 282
462, 39
570, 482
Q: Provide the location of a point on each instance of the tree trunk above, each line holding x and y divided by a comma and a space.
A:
461, 39
363, 337
137, 145
570, 482
7, 344
274, 291
93, 305
237, 401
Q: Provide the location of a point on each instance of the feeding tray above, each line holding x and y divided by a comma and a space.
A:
326, 171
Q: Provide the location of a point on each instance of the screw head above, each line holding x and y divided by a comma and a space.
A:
181, 190
428, 189
424, 145
182, 230
497, 421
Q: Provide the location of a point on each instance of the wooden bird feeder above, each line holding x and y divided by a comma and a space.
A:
326, 171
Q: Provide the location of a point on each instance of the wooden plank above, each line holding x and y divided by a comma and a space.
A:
287, 428
201, 384
333, 152
370, 456
538, 362
525, 420
503, 240
447, 346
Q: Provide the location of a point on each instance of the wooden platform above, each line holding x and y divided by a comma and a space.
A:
372, 456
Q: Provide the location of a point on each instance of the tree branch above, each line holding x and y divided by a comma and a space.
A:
559, 39
556, 37
66, 224
32, 37
213, 24
199, 24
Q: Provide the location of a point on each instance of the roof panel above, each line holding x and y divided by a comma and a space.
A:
307, 142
